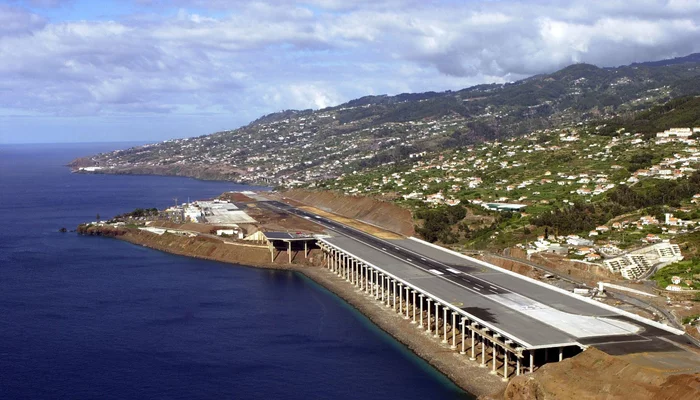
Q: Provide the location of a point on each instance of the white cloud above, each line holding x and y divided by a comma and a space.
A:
249, 58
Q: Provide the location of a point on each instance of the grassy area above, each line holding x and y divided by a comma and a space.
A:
688, 271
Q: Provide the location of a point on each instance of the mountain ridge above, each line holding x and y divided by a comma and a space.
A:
293, 146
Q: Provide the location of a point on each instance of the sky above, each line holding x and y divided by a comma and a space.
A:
150, 70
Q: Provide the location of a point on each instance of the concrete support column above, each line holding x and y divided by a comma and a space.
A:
420, 324
393, 295
356, 273
444, 324
517, 366
454, 331
347, 268
365, 271
430, 326
505, 364
414, 307
383, 288
561, 353
532, 360
375, 287
388, 292
289, 251
464, 326
406, 314
493, 358
351, 268
400, 310
483, 351
437, 317
473, 357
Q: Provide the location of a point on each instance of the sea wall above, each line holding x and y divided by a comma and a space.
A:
366, 209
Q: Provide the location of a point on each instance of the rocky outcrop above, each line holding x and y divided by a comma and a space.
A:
366, 209
594, 374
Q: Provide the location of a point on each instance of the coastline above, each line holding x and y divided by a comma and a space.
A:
463, 373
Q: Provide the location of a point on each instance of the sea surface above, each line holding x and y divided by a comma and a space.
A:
98, 318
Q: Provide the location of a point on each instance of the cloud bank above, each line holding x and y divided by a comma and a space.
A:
245, 58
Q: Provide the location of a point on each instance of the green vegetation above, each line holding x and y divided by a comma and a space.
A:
623, 199
677, 113
687, 270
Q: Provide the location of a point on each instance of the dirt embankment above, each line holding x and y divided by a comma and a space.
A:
383, 214
214, 249
594, 374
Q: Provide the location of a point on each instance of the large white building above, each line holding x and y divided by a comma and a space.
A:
635, 264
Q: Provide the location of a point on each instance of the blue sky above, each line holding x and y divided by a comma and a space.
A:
105, 70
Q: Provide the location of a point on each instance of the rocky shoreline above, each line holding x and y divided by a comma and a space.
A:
464, 373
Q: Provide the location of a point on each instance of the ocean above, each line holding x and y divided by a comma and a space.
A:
98, 318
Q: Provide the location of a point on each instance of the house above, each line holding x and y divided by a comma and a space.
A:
592, 257
602, 229
593, 233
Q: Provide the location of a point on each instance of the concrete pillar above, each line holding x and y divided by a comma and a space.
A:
289, 251
375, 287
306, 249
505, 364
365, 271
420, 324
483, 351
400, 310
383, 290
356, 273
437, 318
546, 356
454, 331
393, 295
532, 360
561, 353
430, 328
444, 324
473, 357
406, 314
493, 358
414, 307
463, 329
517, 366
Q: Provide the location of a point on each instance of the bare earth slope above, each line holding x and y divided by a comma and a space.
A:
366, 209
594, 374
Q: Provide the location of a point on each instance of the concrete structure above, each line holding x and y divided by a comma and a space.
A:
637, 263
509, 322
286, 239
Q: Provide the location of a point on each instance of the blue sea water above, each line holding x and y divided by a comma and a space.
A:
98, 318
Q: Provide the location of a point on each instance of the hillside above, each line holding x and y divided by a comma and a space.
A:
296, 147
570, 180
